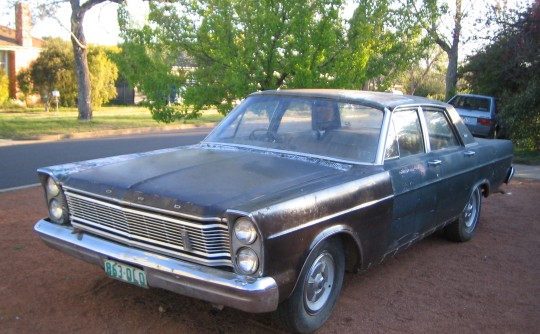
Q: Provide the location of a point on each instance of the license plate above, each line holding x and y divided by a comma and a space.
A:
469, 120
125, 273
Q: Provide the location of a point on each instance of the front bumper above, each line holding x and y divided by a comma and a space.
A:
254, 295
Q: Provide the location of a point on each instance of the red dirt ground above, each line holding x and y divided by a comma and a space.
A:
489, 285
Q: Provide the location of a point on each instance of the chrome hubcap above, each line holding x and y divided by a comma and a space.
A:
470, 212
319, 283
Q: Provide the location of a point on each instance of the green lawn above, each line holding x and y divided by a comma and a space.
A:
32, 122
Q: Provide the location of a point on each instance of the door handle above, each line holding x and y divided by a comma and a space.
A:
435, 163
469, 153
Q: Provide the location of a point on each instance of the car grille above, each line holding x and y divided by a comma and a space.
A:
197, 241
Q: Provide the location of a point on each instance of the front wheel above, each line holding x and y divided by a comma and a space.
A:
316, 291
463, 228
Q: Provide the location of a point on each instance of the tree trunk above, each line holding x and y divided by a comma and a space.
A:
80, 52
453, 54
451, 73
450, 49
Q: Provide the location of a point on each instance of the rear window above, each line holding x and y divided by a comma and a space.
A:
471, 103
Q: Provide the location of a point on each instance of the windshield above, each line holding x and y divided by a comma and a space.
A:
324, 128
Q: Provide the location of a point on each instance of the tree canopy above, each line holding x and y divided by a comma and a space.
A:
221, 50
53, 70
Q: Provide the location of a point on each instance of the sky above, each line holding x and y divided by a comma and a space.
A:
100, 22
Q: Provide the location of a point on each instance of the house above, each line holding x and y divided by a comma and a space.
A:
17, 47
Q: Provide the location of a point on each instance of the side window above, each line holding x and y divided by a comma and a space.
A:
256, 116
297, 117
405, 135
440, 131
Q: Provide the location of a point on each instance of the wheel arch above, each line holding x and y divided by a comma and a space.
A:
352, 249
485, 187
302, 311
351, 244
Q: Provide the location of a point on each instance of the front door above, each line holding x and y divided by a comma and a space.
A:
414, 180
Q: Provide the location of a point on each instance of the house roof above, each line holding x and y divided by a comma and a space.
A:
8, 39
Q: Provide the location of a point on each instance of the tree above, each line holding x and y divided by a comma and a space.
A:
509, 68
151, 63
384, 39
53, 70
429, 14
24, 79
238, 47
79, 45
427, 77
4, 87
103, 75
223, 50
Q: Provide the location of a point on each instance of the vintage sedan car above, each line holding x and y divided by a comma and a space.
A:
290, 190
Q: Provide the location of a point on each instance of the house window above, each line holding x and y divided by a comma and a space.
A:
4, 61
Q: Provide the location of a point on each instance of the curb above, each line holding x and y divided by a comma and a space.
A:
527, 172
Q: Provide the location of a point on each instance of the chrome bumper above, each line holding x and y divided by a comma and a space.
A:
509, 174
205, 283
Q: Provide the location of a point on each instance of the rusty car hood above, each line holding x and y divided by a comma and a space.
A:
199, 181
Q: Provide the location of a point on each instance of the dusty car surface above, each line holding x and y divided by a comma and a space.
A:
479, 113
290, 190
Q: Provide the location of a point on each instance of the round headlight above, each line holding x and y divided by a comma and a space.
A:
245, 231
56, 212
247, 260
52, 187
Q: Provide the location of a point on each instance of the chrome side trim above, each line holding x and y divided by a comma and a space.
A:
316, 221
254, 295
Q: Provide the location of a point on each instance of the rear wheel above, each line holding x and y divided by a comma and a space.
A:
463, 228
316, 291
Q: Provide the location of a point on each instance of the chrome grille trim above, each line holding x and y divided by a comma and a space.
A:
142, 207
204, 242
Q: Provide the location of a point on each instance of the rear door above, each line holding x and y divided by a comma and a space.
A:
451, 161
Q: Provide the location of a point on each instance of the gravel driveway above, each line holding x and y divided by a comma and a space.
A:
489, 285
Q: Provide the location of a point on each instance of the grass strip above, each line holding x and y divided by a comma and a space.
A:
20, 124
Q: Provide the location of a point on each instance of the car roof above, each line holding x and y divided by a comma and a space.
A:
376, 99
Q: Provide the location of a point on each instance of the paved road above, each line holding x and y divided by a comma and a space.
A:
18, 163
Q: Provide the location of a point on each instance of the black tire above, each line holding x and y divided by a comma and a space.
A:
463, 228
316, 291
